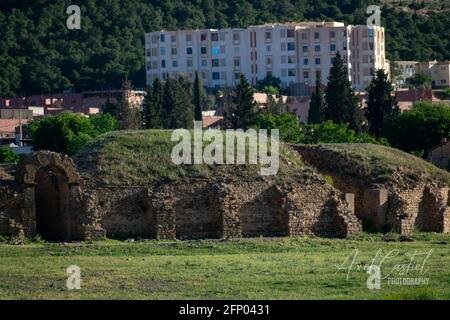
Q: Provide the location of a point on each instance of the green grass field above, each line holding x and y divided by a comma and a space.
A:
284, 268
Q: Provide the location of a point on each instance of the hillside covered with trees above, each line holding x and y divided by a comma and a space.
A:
39, 54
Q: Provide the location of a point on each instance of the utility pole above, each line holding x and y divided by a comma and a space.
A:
20, 127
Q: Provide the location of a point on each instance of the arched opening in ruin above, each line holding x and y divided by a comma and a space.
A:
51, 204
265, 216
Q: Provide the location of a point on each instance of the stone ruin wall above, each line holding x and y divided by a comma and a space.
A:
220, 210
386, 207
201, 209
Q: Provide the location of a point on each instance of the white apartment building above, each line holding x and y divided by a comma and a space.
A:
293, 52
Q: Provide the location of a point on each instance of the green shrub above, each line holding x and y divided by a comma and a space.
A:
7, 155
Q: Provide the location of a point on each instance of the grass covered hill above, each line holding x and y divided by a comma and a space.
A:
38, 54
144, 158
376, 163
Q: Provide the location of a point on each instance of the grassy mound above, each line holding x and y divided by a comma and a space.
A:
144, 157
378, 163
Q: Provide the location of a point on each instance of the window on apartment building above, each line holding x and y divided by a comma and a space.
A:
282, 33
332, 47
173, 38
292, 73
371, 71
318, 73
223, 62
163, 51
317, 61
154, 52
365, 59
149, 53
305, 49
283, 59
163, 63
291, 46
223, 49
371, 46
237, 62
162, 38
291, 59
204, 63
174, 51
332, 59
284, 73
283, 46
174, 63
370, 33
237, 75
268, 36
316, 35
189, 50
269, 74
204, 75
304, 35
317, 48
154, 65
222, 36
216, 75
332, 35
269, 60
155, 39
214, 36
188, 37
189, 63
290, 33
443, 81
236, 38
203, 50
203, 37
215, 51
149, 67
305, 75
305, 61
236, 49
269, 48
215, 63
344, 46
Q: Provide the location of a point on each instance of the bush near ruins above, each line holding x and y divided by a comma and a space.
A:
68, 132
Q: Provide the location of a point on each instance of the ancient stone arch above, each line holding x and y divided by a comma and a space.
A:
50, 186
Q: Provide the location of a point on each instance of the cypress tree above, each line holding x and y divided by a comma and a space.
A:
198, 101
381, 103
151, 107
245, 111
342, 105
316, 112
168, 103
177, 106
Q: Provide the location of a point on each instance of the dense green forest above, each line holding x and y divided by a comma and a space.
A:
39, 54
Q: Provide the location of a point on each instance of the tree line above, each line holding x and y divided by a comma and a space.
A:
38, 54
